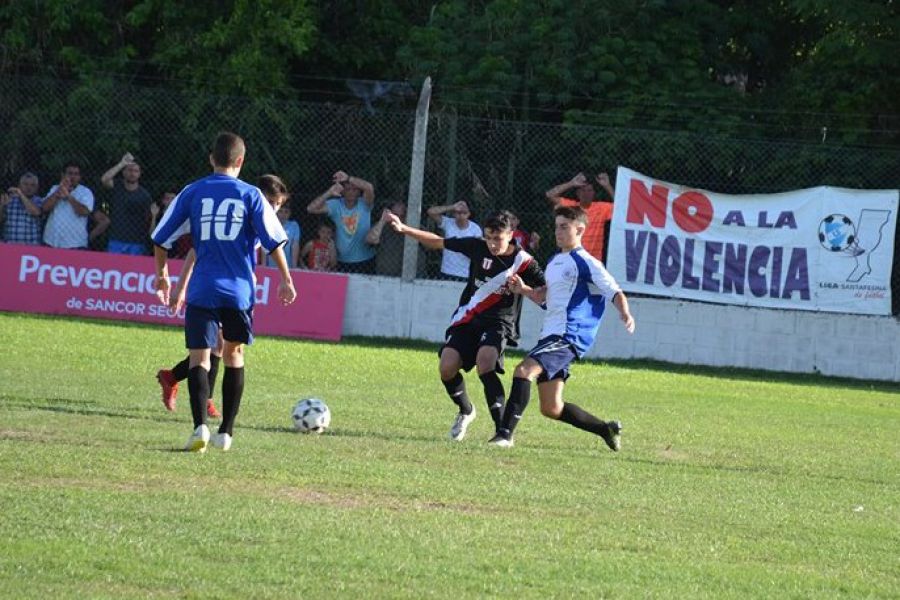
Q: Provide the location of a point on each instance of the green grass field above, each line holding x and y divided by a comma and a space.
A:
730, 483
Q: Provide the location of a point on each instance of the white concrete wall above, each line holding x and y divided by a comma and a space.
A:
669, 330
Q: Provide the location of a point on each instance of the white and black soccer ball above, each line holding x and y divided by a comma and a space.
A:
311, 415
837, 233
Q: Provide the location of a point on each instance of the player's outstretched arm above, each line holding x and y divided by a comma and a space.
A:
426, 238
621, 304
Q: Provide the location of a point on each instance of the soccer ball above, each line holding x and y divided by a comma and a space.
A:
837, 233
311, 415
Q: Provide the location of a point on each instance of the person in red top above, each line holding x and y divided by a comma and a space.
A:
320, 254
599, 212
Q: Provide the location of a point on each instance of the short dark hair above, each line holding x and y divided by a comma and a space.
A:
499, 220
227, 149
71, 163
272, 186
573, 213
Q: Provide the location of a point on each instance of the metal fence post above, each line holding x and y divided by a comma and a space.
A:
416, 178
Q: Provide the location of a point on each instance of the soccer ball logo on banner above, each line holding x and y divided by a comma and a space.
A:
837, 233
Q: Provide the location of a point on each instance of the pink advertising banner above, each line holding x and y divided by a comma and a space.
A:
35, 279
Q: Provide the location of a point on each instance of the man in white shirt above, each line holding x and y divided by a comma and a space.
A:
69, 204
453, 264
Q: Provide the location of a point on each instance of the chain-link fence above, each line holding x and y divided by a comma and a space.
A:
488, 163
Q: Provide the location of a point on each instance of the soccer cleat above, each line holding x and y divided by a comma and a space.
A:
211, 411
222, 441
500, 441
460, 424
613, 438
169, 386
198, 441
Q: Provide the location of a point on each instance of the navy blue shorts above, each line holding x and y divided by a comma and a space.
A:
468, 338
201, 326
555, 355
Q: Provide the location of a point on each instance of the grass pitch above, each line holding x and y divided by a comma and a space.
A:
730, 483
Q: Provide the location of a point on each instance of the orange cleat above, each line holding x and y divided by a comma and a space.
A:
169, 388
211, 411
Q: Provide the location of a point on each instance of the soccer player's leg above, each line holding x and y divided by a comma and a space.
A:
168, 380
237, 330
458, 353
214, 359
489, 362
550, 391
519, 395
201, 328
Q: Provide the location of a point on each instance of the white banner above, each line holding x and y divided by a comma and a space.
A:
823, 248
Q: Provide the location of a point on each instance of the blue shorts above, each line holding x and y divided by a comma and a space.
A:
555, 355
201, 326
117, 247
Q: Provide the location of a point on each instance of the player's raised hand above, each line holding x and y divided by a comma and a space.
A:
603, 179
394, 221
286, 292
163, 289
579, 180
127, 158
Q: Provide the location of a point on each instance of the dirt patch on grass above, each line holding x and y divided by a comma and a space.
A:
20, 435
374, 501
669, 453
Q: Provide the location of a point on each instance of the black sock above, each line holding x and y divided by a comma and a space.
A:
198, 386
232, 391
213, 372
518, 400
181, 370
494, 395
578, 417
456, 389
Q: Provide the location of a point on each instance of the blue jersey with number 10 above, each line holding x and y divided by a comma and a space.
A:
225, 216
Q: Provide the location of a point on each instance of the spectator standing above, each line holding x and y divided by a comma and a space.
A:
455, 265
292, 228
523, 239
129, 208
68, 205
599, 212
20, 212
352, 220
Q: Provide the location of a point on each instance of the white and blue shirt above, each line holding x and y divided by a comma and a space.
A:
224, 216
578, 286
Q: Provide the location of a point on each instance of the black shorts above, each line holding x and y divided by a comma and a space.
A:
555, 355
467, 339
201, 326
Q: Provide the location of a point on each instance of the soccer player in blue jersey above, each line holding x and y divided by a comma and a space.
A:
578, 286
225, 217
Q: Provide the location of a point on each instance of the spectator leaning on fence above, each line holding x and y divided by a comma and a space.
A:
453, 264
20, 212
352, 220
599, 212
68, 205
129, 208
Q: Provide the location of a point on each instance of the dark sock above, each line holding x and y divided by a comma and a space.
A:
181, 370
518, 400
494, 395
578, 417
213, 372
232, 391
198, 387
456, 389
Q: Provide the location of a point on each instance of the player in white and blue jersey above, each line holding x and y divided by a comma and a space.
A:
225, 217
578, 287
